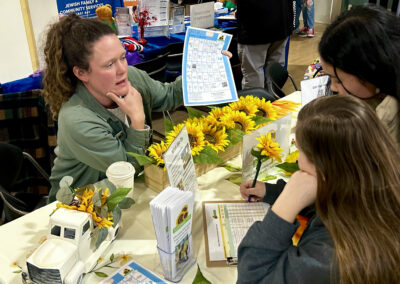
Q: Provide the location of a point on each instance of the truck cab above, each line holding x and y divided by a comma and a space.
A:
68, 252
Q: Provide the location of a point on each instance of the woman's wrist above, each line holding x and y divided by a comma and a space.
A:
287, 207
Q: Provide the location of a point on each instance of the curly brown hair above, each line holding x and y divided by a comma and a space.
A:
69, 43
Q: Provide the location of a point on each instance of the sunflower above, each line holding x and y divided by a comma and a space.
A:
238, 120
156, 151
292, 157
218, 112
283, 107
214, 137
246, 105
84, 203
269, 147
196, 137
265, 109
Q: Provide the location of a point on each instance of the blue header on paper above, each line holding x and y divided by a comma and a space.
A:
85, 8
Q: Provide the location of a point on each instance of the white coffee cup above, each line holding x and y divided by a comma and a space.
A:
121, 174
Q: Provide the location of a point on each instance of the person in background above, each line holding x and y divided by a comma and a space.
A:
263, 30
349, 171
103, 107
360, 51
307, 7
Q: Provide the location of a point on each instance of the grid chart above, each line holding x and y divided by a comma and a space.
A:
236, 219
206, 69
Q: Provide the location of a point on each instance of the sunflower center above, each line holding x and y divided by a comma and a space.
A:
239, 125
261, 112
192, 141
244, 110
210, 138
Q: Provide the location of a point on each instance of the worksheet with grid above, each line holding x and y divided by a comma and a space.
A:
227, 223
207, 77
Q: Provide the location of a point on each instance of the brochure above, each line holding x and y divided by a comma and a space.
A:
172, 214
207, 77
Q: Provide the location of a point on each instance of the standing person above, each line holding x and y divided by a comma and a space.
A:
102, 105
349, 171
263, 30
369, 67
307, 8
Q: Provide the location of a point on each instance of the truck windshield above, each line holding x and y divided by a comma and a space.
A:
69, 233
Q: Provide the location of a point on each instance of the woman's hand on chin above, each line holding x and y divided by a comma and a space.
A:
132, 105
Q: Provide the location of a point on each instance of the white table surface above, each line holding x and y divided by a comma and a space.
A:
21, 237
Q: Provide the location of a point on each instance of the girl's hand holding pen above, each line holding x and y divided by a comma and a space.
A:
250, 193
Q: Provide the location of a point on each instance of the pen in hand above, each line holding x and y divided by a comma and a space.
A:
252, 186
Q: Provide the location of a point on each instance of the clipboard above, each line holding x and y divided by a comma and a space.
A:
256, 210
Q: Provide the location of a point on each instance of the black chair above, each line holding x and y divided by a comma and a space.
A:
17, 204
174, 60
156, 67
277, 76
259, 93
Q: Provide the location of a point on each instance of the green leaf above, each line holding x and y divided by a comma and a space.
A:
200, 279
116, 215
193, 113
168, 125
142, 159
235, 135
105, 183
267, 178
102, 235
104, 211
236, 179
289, 167
100, 274
116, 197
256, 154
126, 203
65, 195
96, 199
17, 271
260, 119
112, 257
207, 156
233, 168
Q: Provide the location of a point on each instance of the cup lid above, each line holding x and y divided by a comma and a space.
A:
120, 169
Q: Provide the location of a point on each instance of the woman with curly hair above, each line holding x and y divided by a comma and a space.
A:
349, 169
103, 107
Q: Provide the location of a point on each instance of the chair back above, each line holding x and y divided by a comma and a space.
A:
13, 202
259, 93
156, 67
174, 60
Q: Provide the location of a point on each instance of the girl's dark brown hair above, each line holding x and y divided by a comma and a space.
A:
69, 43
358, 196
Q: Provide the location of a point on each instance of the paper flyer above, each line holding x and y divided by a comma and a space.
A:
207, 77
179, 163
314, 88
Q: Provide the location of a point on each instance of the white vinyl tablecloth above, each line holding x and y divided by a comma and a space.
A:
21, 236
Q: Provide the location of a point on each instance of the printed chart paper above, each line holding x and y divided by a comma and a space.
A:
132, 273
207, 74
202, 15
227, 224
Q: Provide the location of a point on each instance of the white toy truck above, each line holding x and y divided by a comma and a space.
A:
68, 253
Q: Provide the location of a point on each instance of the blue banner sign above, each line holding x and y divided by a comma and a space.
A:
85, 8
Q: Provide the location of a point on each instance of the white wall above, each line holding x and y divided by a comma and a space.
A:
43, 13
322, 11
15, 61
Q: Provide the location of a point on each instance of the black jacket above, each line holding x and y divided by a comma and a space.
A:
267, 255
264, 21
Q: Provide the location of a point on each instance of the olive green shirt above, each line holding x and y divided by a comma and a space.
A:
87, 143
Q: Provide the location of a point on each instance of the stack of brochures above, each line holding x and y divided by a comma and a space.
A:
172, 213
